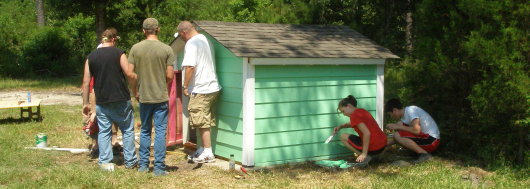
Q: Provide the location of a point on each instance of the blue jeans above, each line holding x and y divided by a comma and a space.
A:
120, 113
158, 112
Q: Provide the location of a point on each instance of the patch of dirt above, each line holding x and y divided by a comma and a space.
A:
47, 97
476, 176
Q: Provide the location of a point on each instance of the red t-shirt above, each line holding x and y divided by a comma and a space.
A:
377, 137
91, 85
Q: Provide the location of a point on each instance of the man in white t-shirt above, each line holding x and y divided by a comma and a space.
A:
416, 131
201, 84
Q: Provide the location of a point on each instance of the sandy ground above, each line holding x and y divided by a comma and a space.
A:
48, 97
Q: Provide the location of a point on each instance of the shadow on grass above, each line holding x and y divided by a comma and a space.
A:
12, 120
172, 168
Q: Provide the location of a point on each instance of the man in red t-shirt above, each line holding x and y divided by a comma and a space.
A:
371, 139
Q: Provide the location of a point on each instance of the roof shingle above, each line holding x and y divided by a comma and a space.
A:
258, 40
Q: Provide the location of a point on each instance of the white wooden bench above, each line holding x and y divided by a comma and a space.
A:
24, 107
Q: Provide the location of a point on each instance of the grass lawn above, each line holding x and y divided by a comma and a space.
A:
22, 168
41, 84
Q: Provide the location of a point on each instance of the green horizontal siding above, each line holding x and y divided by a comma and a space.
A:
273, 125
231, 80
296, 109
316, 81
227, 137
234, 124
298, 137
229, 109
297, 153
308, 93
300, 108
316, 71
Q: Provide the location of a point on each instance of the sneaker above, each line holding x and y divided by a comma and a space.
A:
160, 173
107, 167
422, 158
197, 153
143, 169
204, 158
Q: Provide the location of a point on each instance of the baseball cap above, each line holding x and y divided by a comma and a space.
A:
150, 24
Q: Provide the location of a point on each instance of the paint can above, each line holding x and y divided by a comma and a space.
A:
41, 140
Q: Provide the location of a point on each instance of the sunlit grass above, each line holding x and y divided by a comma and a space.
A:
39, 84
21, 168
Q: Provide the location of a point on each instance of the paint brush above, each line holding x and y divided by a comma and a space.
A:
330, 137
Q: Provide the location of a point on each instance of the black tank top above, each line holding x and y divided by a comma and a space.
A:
110, 84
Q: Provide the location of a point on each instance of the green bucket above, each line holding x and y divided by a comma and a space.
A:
41, 140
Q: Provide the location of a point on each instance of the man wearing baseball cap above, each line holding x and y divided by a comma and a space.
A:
152, 62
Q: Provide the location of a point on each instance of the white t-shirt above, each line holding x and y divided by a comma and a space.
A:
427, 124
198, 53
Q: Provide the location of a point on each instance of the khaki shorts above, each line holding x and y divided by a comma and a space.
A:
202, 110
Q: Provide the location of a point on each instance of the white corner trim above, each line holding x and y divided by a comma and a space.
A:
316, 61
248, 112
380, 96
185, 119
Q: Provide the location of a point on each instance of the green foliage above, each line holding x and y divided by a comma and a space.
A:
49, 53
469, 67
79, 30
9, 52
65, 84
471, 71
16, 25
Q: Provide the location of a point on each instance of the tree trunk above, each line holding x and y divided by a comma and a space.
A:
100, 18
40, 12
408, 28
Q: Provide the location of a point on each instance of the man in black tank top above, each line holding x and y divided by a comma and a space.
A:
109, 67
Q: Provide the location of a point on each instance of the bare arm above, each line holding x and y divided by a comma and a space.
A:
366, 137
85, 87
133, 82
169, 74
189, 73
336, 129
124, 64
415, 127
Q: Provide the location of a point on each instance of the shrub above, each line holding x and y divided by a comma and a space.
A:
80, 30
48, 53
470, 71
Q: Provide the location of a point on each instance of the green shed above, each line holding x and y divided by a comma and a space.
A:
281, 86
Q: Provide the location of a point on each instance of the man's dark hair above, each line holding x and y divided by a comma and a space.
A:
393, 103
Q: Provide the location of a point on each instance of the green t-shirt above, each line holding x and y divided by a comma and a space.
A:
151, 59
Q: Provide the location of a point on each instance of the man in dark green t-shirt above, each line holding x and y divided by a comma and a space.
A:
152, 61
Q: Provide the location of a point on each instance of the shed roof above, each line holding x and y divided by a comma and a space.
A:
293, 41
